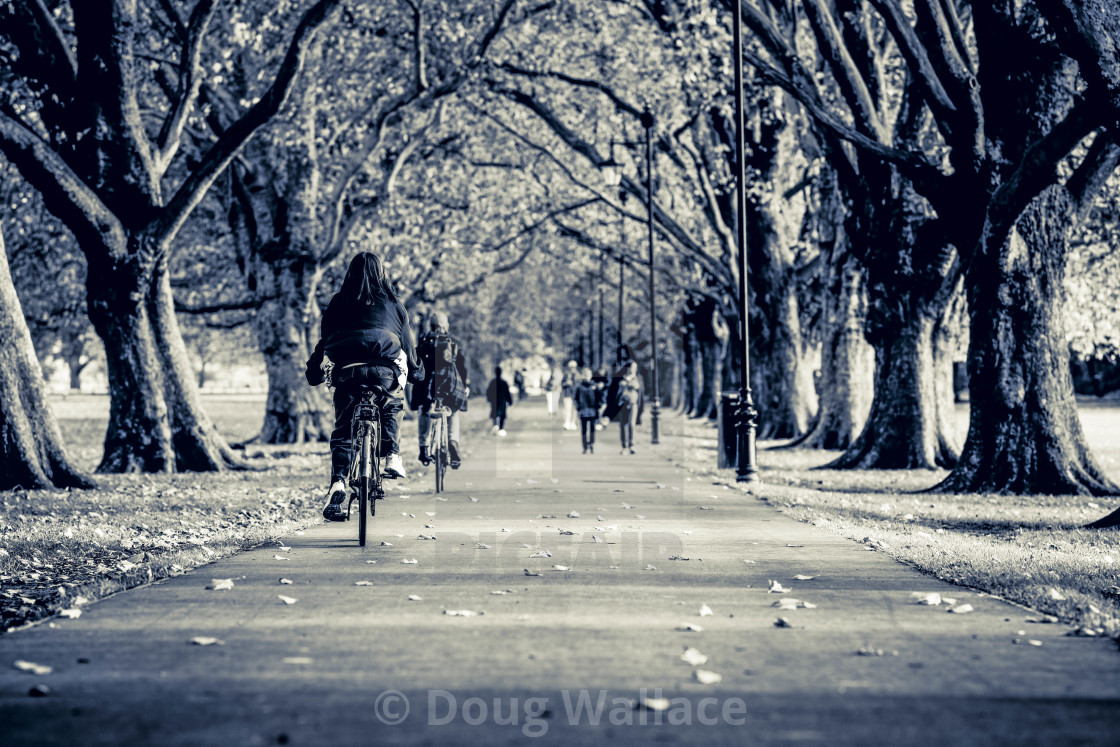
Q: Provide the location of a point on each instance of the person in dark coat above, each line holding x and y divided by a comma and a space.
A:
587, 405
500, 400
629, 401
365, 339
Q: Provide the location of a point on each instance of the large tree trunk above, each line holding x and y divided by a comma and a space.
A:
294, 412
138, 437
32, 456
1024, 433
781, 381
690, 360
847, 362
903, 428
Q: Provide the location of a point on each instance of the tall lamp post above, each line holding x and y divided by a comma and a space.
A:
655, 402
612, 177
747, 416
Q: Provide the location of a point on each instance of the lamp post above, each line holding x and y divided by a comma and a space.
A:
747, 416
655, 402
602, 360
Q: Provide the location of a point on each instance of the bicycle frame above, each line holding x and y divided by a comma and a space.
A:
439, 433
365, 461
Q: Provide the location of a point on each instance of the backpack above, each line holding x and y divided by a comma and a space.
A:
445, 382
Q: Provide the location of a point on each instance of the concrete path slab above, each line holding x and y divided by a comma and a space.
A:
558, 657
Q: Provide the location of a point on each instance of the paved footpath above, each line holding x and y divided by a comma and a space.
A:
560, 655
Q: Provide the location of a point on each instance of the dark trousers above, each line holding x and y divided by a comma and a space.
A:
499, 418
346, 396
587, 431
627, 414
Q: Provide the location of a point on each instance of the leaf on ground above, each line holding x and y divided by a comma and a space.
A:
364, 582
531, 573
781, 622
792, 545
203, 640
597, 539
869, 650
429, 513
566, 532
415, 598
561, 568
690, 628
704, 677
542, 553
425, 537
639, 516
650, 567
287, 600
462, 613
776, 587
386, 544
705, 508
931, 598
960, 609
286, 581
472, 499
627, 505
483, 546
693, 657
652, 704
705, 611
1043, 620
220, 584
1056, 595
408, 561
1027, 642
31, 667
750, 562
678, 557
573, 514
280, 557
803, 577
73, 613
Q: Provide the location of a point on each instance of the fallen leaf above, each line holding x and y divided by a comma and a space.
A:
202, 640
573, 514
39, 691
960, 609
413, 561
931, 598
750, 562
690, 628
415, 598
781, 622
461, 613
803, 577
286, 581
386, 544
33, 668
693, 657
424, 537
363, 583
652, 704
776, 588
704, 677
561, 568
280, 557
71, 613
705, 611
287, 600
220, 584
677, 557
1056, 595
531, 573
597, 539
650, 567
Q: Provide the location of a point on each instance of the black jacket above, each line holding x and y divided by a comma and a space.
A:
363, 333
498, 395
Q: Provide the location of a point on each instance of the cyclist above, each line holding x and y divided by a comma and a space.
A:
446, 378
365, 336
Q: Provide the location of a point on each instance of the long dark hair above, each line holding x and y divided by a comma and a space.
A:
365, 280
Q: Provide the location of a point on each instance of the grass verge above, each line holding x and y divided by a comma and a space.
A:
1031, 550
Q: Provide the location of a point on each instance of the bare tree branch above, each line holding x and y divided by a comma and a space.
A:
167, 142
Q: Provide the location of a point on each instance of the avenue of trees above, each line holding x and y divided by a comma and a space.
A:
180, 172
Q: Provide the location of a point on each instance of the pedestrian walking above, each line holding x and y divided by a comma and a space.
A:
629, 402
567, 391
500, 400
552, 395
587, 403
519, 382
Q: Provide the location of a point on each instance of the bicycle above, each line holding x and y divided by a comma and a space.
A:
438, 435
365, 460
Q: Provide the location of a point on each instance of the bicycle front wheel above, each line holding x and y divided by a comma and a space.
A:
437, 453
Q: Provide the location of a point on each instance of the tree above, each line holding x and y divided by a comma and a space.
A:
32, 455
998, 130
73, 124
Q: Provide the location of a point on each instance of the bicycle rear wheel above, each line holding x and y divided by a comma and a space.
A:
437, 452
364, 467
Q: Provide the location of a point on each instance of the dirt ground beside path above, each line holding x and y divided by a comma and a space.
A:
625, 554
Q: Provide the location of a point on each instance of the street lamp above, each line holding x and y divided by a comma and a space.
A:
621, 277
747, 415
655, 402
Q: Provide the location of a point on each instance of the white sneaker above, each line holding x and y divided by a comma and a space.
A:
502, 432
394, 467
494, 429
